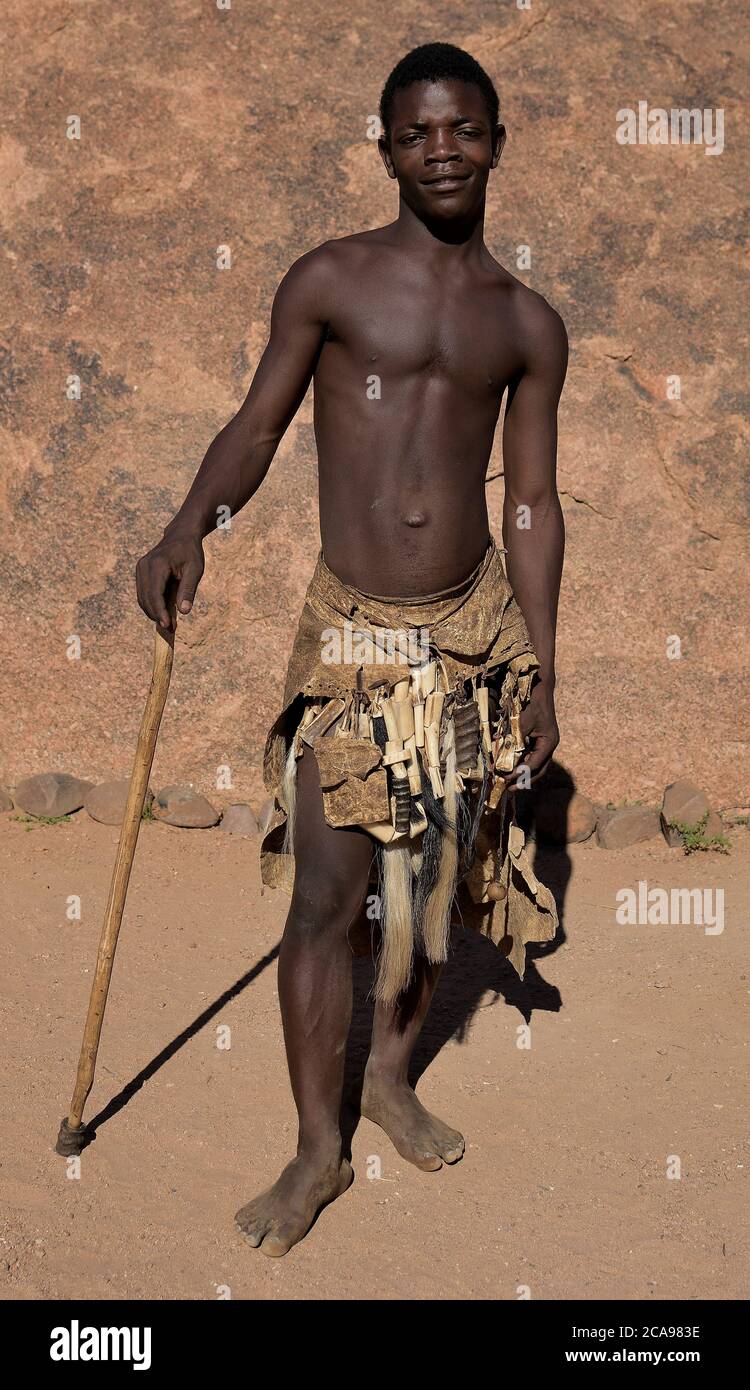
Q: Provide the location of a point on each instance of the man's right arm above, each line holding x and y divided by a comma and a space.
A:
240, 456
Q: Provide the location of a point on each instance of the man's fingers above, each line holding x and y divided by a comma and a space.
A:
537, 775
191, 578
141, 586
537, 760
159, 610
138, 588
153, 580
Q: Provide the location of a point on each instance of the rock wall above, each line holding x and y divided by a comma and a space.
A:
247, 127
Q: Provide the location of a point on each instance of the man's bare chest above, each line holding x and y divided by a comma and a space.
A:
407, 330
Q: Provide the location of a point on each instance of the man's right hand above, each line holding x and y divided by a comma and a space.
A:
177, 558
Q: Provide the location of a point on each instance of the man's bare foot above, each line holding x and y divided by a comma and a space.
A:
419, 1137
278, 1218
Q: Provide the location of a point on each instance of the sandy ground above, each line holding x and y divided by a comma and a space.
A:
639, 1052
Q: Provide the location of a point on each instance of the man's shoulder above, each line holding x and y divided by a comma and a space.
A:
339, 252
327, 269
538, 328
532, 313
537, 315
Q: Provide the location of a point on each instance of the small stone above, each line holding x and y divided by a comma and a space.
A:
185, 807
51, 794
562, 815
265, 815
106, 802
684, 803
627, 825
6, 801
239, 820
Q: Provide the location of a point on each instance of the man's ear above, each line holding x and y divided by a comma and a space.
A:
498, 143
385, 155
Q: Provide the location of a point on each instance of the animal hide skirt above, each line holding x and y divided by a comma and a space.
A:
412, 708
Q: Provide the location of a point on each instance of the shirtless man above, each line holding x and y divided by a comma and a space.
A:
421, 304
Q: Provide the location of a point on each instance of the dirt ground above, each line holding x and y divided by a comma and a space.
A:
638, 1055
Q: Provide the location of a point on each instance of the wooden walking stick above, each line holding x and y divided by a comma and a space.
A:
72, 1137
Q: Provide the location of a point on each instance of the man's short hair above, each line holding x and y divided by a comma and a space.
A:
436, 62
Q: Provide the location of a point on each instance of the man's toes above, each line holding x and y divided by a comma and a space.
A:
253, 1232
449, 1144
428, 1162
452, 1147
279, 1242
453, 1154
247, 1214
251, 1224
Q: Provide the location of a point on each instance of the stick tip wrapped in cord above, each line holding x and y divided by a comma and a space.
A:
71, 1142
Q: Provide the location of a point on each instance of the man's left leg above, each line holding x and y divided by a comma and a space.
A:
387, 1097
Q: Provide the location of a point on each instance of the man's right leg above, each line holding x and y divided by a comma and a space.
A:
315, 992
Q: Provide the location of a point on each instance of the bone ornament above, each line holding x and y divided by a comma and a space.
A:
403, 709
322, 721
396, 757
419, 724
423, 680
432, 717
483, 704
504, 752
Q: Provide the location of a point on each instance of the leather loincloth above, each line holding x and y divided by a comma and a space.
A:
412, 708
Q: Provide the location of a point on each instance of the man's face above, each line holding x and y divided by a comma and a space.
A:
442, 148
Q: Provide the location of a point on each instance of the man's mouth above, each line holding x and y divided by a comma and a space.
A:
448, 181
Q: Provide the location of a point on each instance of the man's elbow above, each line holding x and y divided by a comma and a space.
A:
254, 434
524, 507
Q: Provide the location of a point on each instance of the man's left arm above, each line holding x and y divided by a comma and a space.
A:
533, 528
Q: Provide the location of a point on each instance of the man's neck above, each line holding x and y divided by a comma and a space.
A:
437, 238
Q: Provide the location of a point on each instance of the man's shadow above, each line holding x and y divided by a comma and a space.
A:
476, 975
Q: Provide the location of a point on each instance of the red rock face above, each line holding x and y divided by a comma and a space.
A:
248, 128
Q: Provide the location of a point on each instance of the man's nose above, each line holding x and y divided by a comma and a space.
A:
440, 148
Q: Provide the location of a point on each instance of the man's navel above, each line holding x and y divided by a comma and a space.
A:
415, 518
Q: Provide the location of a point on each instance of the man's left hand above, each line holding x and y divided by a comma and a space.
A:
539, 727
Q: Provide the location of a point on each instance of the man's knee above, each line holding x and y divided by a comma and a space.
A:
323, 904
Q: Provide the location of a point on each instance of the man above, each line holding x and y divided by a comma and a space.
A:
412, 333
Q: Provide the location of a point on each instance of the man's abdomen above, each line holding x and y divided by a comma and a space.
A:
402, 488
